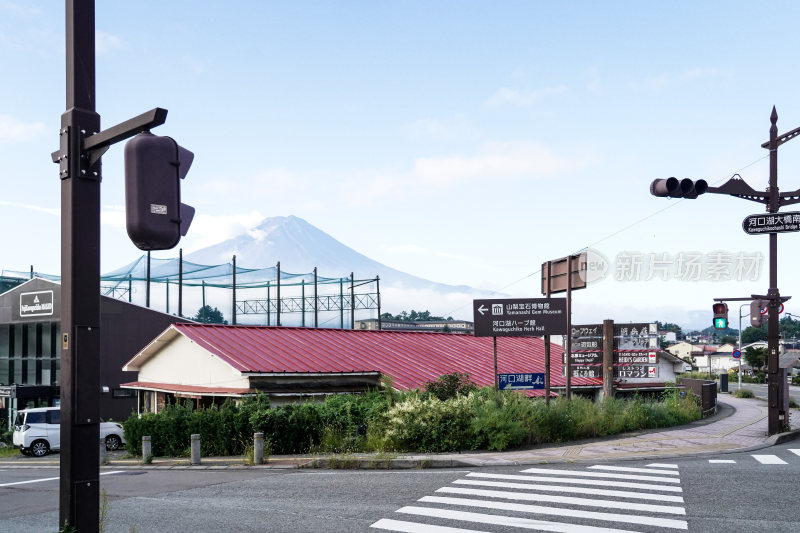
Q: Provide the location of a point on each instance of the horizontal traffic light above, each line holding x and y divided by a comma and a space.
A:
675, 188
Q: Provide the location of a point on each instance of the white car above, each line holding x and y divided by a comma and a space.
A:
38, 431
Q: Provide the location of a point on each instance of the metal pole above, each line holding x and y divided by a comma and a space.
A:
233, 294
203, 285
547, 343
774, 387
316, 301
352, 302
608, 359
739, 346
167, 285
278, 297
79, 487
147, 282
568, 392
496, 382
378, 289
268, 305
180, 282
341, 303
303, 301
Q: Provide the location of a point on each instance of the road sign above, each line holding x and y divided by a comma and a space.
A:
772, 223
520, 317
636, 357
556, 279
736, 354
584, 371
521, 381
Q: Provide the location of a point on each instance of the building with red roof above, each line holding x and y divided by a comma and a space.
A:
208, 363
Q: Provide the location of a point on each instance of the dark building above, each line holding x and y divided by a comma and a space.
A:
30, 330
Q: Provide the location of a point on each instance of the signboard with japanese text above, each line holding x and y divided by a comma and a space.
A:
635, 337
585, 358
772, 223
584, 371
622, 358
635, 371
588, 331
520, 317
520, 381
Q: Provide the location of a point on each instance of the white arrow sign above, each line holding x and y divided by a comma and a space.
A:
482, 310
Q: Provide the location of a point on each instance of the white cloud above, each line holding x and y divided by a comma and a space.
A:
49, 210
457, 127
667, 80
18, 8
414, 249
522, 97
13, 130
105, 43
207, 230
493, 160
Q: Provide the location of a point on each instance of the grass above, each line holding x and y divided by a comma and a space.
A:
10, 451
743, 393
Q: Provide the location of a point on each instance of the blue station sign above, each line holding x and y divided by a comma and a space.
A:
520, 381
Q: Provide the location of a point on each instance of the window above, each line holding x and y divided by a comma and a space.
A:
123, 393
35, 417
54, 416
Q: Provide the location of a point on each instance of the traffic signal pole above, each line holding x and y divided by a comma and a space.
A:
82, 144
773, 199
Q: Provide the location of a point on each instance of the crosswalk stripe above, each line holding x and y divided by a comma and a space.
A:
769, 459
523, 523
577, 481
721, 461
575, 490
415, 527
567, 500
663, 465
556, 472
638, 470
575, 513
796, 452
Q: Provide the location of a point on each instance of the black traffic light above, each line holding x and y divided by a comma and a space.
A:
720, 315
154, 166
756, 316
675, 188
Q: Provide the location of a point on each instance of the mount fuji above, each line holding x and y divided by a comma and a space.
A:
300, 246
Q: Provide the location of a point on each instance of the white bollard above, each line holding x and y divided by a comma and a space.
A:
147, 449
258, 448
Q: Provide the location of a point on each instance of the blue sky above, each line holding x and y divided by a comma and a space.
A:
463, 142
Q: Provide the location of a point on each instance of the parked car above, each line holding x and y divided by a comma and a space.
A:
38, 431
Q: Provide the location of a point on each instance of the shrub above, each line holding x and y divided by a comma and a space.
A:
743, 393
450, 385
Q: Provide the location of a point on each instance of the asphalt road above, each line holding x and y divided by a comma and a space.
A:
741, 494
760, 390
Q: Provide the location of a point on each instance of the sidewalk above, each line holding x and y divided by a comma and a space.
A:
740, 425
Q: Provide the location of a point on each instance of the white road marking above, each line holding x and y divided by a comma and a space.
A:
637, 470
769, 459
794, 451
523, 523
50, 479
566, 500
722, 461
414, 527
538, 509
556, 472
576, 481
575, 490
663, 465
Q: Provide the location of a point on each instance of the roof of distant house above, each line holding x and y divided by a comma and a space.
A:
410, 358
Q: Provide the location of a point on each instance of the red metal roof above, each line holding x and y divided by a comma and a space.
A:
410, 358
187, 389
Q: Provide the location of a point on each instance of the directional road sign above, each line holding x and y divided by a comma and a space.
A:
772, 223
736, 354
520, 317
520, 381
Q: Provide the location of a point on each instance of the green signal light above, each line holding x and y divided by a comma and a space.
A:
720, 323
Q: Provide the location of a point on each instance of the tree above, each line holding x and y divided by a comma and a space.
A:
728, 339
755, 357
450, 385
752, 334
413, 316
669, 326
209, 315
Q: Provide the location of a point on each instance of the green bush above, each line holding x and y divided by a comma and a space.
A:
449, 386
743, 393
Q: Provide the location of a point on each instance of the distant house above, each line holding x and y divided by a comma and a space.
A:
449, 326
681, 349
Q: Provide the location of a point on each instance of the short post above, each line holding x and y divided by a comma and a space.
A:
102, 451
195, 449
258, 448
147, 449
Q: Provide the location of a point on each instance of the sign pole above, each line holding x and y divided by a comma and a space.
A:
568, 392
547, 344
496, 384
608, 358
